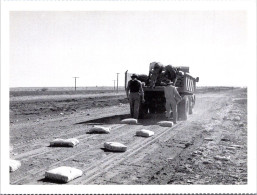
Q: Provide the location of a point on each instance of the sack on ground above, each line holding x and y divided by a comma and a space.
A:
165, 123
115, 146
63, 174
129, 121
145, 133
100, 130
64, 142
14, 165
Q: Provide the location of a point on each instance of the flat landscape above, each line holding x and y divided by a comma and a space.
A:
209, 148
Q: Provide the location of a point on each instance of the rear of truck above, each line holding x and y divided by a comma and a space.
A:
154, 96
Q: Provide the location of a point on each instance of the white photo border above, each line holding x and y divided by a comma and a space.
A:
199, 5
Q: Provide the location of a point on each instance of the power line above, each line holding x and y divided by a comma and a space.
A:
113, 85
75, 82
117, 82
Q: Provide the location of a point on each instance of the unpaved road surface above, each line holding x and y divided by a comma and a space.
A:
209, 148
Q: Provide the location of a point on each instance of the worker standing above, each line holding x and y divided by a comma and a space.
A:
134, 92
172, 99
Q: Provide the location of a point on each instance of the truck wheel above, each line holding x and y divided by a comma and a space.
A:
143, 110
183, 109
190, 110
193, 97
152, 109
191, 105
160, 109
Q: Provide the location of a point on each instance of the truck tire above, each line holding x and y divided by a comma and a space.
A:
191, 104
143, 110
151, 109
160, 108
190, 110
151, 105
193, 101
183, 108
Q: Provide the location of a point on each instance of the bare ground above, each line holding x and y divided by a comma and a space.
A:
209, 148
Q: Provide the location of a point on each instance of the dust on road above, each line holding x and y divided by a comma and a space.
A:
209, 148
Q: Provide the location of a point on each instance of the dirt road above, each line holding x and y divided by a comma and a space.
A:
209, 148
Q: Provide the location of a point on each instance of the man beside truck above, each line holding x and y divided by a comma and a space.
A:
134, 93
172, 99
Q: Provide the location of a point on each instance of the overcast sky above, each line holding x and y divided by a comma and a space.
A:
49, 48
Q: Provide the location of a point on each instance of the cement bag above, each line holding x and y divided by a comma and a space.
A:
14, 165
64, 142
98, 129
129, 121
165, 123
145, 133
63, 174
115, 146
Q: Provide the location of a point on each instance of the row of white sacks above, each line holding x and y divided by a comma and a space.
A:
65, 174
134, 121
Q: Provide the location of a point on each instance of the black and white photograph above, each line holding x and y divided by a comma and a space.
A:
146, 95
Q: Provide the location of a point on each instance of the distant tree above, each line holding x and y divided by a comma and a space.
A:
44, 89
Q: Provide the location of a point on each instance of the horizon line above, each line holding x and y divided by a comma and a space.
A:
119, 86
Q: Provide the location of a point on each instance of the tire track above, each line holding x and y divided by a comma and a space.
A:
65, 159
106, 165
42, 150
37, 140
22, 144
44, 137
108, 160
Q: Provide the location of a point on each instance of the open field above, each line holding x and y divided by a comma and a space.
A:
209, 148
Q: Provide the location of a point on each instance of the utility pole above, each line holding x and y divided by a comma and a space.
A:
117, 82
75, 82
113, 85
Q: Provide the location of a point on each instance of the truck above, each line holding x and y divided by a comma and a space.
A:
154, 94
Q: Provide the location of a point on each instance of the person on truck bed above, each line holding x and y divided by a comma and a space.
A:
155, 74
170, 73
172, 98
134, 91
